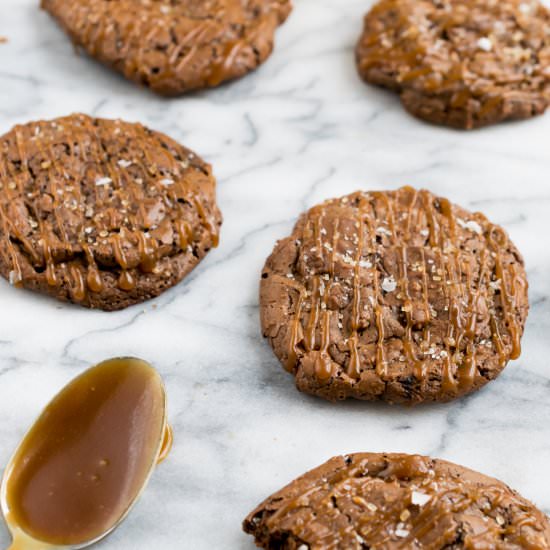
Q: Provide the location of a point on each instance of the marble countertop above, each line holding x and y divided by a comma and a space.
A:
301, 129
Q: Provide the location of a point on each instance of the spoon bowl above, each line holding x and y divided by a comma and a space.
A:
86, 460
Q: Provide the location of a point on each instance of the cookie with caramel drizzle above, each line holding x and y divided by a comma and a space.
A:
394, 295
103, 213
397, 501
174, 46
460, 63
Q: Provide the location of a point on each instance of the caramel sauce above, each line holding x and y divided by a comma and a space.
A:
87, 458
126, 281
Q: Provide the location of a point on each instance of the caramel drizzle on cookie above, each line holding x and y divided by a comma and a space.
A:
447, 270
137, 234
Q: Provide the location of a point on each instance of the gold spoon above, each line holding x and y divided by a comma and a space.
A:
86, 460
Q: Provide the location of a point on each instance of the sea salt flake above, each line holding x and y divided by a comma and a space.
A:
500, 27
401, 533
365, 263
103, 181
383, 231
124, 163
495, 285
485, 44
471, 225
167, 181
13, 278
474, 226
525, 8
389, 284
419, 499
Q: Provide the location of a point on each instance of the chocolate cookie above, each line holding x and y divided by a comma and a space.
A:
462, 63
102, 213
400, 296
393, 501
174, 46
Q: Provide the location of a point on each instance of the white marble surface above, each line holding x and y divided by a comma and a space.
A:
300, 129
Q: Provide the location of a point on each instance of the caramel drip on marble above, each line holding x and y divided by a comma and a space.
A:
448, 270
81, 135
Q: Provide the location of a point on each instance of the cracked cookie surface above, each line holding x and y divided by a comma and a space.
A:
174, 46
396, 501
396, 295
460, 63
103, 213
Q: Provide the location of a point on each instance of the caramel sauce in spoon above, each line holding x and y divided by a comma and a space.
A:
85, 461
